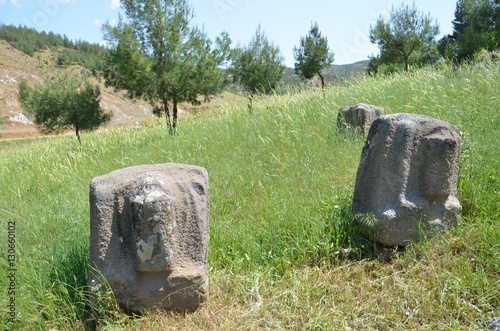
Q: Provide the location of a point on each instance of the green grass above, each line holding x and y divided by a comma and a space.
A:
284, 251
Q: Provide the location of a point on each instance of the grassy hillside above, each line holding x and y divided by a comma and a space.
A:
284, 251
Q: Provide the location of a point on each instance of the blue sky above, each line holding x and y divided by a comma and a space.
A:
344, 23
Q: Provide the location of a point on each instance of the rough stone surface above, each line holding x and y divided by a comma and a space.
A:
359, 116
149, 236
407, 178
493, 324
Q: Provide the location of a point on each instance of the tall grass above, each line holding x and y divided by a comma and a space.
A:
284, 251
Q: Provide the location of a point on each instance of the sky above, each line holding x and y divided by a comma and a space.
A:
345, 23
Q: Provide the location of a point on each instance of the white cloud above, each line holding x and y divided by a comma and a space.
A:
115, 4
97, 21
2, 2
15, 3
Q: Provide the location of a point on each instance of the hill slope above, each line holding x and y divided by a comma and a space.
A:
344, 71
283, 254
15, 66
333, 74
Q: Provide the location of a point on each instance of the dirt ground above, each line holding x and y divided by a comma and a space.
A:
13, 131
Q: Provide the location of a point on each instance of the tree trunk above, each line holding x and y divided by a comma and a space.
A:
166, 110
250, 102
407, 64
175, 111
322, 80
77, 131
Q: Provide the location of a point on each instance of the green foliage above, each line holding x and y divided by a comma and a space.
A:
258, 67
313, 55
373, 65
67, 57
408, 36
61, 103
29, 41
156, 55
476, 26
67, 279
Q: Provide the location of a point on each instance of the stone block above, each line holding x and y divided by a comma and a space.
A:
406, 183
149, 236
358, 117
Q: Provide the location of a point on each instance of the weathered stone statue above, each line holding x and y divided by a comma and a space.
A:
493, 324
406, 183
358, 117
149, 236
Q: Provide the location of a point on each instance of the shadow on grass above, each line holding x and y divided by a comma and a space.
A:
346, 239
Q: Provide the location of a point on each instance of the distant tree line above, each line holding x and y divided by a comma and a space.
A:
30, 41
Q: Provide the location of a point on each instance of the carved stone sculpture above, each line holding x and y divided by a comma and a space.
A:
358, 117
406, 183
149, 236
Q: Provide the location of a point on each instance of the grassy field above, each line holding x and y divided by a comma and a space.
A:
285, 253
